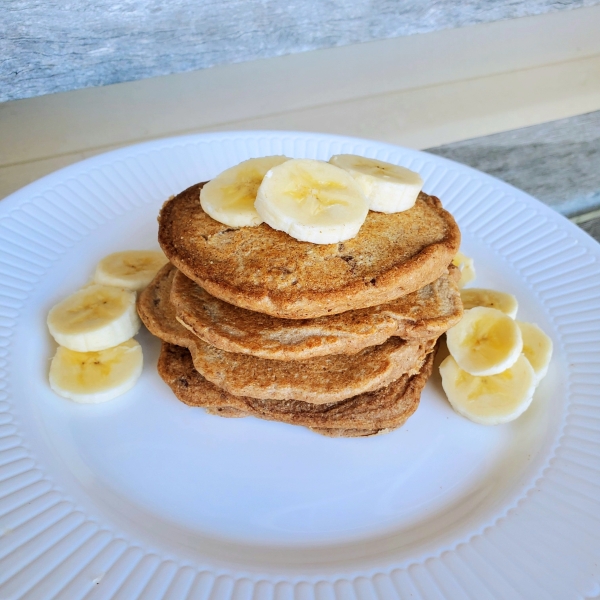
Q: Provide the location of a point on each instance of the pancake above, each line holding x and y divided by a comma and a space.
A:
366, 414
234, 413
352, 432
424, 314
317, 380
264, 270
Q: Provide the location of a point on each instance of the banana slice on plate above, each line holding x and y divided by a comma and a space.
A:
485, 341
94, 318
492, 399
388, 188
229, 197
466, 267
312, 201
472, 297
131, 269
537, 348
93, 377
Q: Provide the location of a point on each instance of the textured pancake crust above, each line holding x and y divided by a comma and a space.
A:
424, 314
318, 380
366, 414
264, 270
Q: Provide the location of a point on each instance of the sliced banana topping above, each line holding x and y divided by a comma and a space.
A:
312, 201
94, 318
92, 377
491, 399
485, 341
388, 188
466, 268
507, 303
132, 269
537, 348
229, 197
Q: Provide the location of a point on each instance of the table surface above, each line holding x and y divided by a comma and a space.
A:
556, 162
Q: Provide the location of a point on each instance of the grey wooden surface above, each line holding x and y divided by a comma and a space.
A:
557, 162
592, 226
50, 46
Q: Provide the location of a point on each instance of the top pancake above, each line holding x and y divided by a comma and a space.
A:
265, 270
424, 314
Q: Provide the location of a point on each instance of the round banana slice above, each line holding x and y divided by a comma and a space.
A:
229, 197
473, 297
491, 399
132, 269
485, 341
312, 201
387, 187
537, 348
92, 377
94, 318
466, 267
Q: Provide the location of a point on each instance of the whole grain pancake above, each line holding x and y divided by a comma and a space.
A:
352, 432
424, 314
365, 414
265, 270
234, 413
317, 380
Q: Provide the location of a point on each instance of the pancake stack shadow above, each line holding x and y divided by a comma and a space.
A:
339, 338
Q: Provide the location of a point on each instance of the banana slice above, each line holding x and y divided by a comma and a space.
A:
229, 197
537, 348
387, 187
92, 377
485, 341
312, 201
132, 269
473, 297
94, 318
489, 400
466, 268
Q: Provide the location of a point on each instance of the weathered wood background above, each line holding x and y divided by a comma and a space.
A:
50, 46
557, 162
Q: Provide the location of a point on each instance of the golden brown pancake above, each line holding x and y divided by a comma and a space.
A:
424, 314
234, 413
366, 414
265, 270
317, 380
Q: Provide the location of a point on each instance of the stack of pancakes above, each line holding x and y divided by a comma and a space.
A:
338, 338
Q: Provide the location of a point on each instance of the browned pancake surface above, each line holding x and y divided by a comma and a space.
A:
365, 414
424, 314
318, 380
235, 413
264, 270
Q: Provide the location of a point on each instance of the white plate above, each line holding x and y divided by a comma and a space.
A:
144, 497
